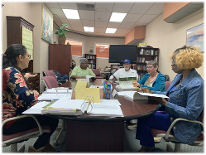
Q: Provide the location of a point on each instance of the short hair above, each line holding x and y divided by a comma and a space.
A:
152, 62
187, 57
82, 60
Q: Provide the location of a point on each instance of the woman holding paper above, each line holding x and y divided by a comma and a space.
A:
17, 97
153, 80
185, 101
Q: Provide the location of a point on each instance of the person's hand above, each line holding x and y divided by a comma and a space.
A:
83, 77
135, 84
160, 100
36, 92
146, 90
29, 75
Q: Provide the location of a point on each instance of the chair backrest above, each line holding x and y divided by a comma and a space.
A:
50, 82
49, 73
96, 72
167, 77
167, 84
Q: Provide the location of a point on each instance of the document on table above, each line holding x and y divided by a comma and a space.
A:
94, 86
53, 96
36, 109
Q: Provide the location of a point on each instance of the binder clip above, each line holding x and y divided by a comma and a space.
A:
89, 101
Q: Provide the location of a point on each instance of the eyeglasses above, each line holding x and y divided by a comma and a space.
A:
173, 62
149, 66
29, 56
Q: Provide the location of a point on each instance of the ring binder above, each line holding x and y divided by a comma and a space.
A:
90, 101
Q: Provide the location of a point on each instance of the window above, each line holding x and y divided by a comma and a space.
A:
102, 50
76, 47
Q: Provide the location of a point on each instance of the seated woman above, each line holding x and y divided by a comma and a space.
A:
153, 80
17, 98
185, 101
80, 72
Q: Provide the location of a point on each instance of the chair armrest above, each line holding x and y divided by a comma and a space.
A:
23, 116
181, 119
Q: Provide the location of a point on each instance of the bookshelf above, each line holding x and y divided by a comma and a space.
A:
91, 60
145, 54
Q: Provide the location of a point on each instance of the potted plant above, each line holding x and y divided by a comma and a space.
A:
61, 33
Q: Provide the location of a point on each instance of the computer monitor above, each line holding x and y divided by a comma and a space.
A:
118, 53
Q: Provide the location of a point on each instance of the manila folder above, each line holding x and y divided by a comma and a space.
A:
82, 93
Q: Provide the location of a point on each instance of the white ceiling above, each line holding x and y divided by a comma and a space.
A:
138, 14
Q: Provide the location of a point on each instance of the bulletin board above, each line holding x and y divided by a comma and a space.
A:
27, 41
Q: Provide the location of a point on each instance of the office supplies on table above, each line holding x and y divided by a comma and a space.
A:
94, 86
36, 109
81, 84
107, 89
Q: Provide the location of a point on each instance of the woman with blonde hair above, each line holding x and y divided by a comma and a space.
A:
185, 101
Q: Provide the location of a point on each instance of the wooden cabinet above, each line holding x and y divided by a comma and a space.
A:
91, 60
14, 33
34, 82
145, 54
60, 58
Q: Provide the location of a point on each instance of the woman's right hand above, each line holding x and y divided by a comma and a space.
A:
135, 84
36, 92
146, 90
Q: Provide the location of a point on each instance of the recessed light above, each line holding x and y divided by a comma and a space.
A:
110, 30
117, 17
88, 29
71, 14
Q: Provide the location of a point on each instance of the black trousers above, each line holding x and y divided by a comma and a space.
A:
27, 123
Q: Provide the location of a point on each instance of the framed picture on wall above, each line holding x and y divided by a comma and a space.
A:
46, 26
195, 37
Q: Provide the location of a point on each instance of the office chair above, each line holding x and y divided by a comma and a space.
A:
51, 73
13, 139
51, 82
97, 73
171, 138
167, 84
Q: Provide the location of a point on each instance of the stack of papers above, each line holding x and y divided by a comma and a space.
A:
56, 93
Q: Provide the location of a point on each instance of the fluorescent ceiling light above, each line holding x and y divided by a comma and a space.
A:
71, 14
110, 30
117, 17
88, 29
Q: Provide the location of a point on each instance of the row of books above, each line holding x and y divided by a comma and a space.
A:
141, 67
91, 66
90, 56
142, 59
148, 52
91, 61
140, 75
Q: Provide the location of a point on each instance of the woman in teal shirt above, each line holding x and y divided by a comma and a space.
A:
153, 80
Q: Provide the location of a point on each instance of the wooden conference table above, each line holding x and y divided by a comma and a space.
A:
102, 134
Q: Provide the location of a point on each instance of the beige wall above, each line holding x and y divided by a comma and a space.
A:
170, 36
32, 13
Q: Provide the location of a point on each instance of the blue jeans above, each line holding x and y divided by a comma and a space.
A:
160, 121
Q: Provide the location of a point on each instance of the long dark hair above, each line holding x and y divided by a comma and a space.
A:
12, 52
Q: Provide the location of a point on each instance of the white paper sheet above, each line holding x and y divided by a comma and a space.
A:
36, 109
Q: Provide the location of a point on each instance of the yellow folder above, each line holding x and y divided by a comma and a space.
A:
82, 93
81, 84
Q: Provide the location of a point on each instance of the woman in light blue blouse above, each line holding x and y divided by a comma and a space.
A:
153, 80
185, 101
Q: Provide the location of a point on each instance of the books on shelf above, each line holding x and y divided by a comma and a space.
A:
142, 44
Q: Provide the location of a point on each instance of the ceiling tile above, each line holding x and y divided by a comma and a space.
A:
132, 18
58, 12
122, 7
140, 7
89, 23
102, 16
139, 24
100, 24
68, 6
78, 28
104, 7
52, 5
126, 25
99, 30
121, 31
157, 8
113, 24
147, 18
89, 15
75, 23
